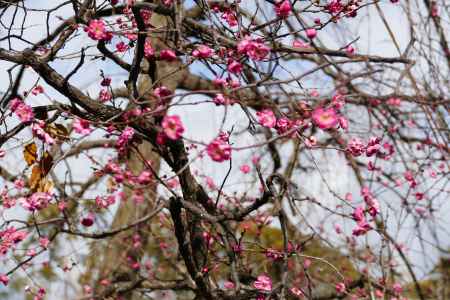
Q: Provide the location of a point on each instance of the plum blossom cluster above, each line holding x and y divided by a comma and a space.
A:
37, 294
373, 148
146, 15
234, 66
104, 95
286, 126
283, 8
263, 283
356, 147
82, 126
149, 52
219, 149
88, 219
36, 201
172, 127
105, 201
283, 125
266, 118
274, 254
362, 225
120, 175
311, 33
372, 208
4, 279
221, 99
203, 51
22, 110
163, 94
167, 55
38, 129
227, 14
37, 90
125, 140
96, 30
253, 48
325, 118
338, 8
7, 200
409, 177
9, 238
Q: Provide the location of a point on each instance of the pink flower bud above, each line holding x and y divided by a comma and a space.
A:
311, 33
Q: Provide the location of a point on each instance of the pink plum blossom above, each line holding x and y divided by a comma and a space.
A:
38, 130
245, 169
87, 220
96, 30
263, 283
373, 146
9, 238
81, 126
355, 147
283, 8
219, 150
121, 47
203, 51
234, 67
325, 118
167, 55
22, 110
148, 49
36, 201
172, 127
4, 279
253, 48
340, 287
311, 33
124, 139
104, 95
266, 118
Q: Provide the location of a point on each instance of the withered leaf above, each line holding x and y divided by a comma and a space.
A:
35, 178
45, 186
30, 153
46, 163
57, 131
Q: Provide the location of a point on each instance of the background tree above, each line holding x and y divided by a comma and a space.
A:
224, 150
